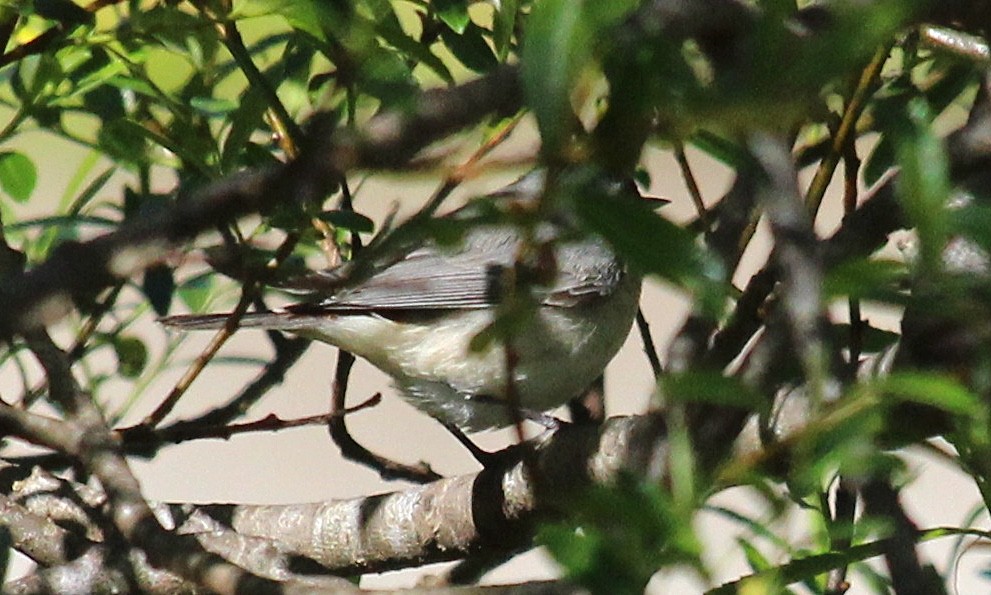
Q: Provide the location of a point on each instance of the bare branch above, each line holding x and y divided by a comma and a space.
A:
494, 509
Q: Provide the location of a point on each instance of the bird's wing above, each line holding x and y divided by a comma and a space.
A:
429, 277
469, 276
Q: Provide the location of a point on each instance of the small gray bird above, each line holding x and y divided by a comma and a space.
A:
415, 318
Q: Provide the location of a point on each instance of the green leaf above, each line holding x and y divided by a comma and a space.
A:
503, 26
181, 33
721, 149
33, 76
105, 102
867, 279
131, 84
572, 548
212, 106
18, 175
91, 189
158, 286
755, 558
454, 13
397, 38
881, 160
650, 242
755, 526
711, 387
941, 392
61, 221
560, 42
245, 120
122, 139
797, 71
957, 78
91, 75
311, 17
470, 48
605, 15
348, 220
872, 339
387, 77
617, 536
126, 139
132, 355
87, 165
973, 222
924, 185
557, 46
196, 292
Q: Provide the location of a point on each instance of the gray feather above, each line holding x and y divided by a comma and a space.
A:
468, 277
276, 319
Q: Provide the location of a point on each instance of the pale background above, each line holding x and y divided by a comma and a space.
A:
303, 465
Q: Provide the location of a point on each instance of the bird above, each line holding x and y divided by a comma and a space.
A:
416, 317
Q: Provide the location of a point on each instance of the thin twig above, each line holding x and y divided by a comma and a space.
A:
468, 167
288, 351
513, 405
648, 344
747, 318
691, 183
851, 171
847, 129
292, 135
841, 532
138, 438
270, 423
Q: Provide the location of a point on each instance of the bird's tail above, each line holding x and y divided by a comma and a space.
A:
267, 320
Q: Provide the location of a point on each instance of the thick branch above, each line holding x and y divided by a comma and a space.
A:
495, 509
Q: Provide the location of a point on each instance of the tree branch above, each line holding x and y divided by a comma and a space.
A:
495, 509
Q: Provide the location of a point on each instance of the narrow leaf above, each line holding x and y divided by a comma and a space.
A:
942, 392
454, 13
